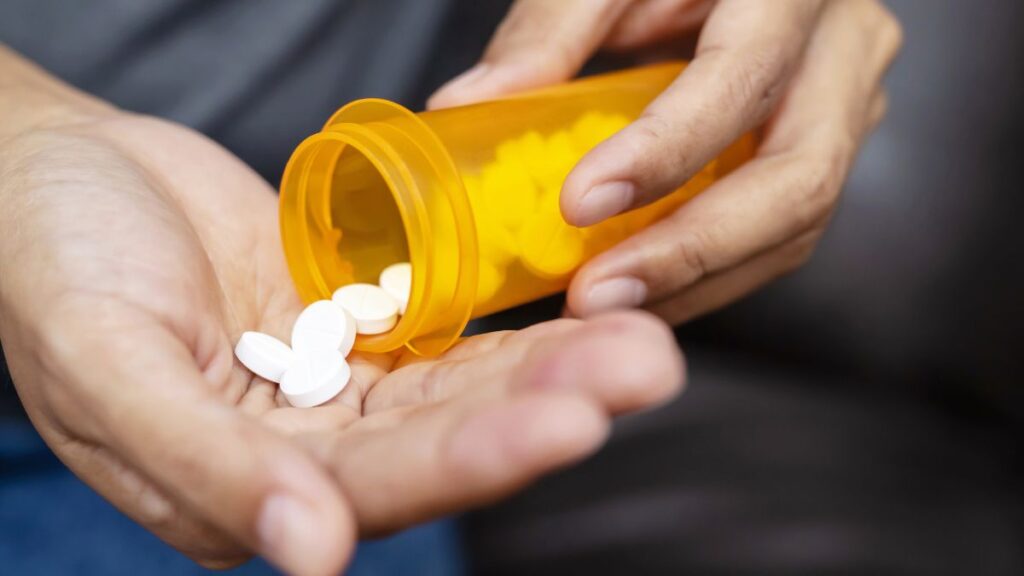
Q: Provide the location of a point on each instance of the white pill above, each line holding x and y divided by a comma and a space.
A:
315, 377
374, 310
396, 280
264, 355
324, 325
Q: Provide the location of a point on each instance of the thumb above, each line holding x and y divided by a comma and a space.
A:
161, 416
539, 43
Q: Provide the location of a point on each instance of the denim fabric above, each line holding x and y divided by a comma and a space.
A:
51, 523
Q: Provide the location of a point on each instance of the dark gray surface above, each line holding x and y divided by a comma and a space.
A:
256, 75
765, 470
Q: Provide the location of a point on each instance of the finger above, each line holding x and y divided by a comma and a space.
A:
445, 458
151, 405
627, 362
464, 349
474, 448
761, 205
792, 184
539, 43
624, 361
822, 104
747, 53
655, 21
725, 287
481, 362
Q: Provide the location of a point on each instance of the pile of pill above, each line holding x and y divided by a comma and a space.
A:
314, 369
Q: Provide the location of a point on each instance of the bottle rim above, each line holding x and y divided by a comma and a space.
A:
360, 126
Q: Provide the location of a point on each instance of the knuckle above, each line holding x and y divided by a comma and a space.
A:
883, 106
882, 29
659, 154
800, 252
820, 188
756, 77
687, 256
558, 56
889, 28
878, 110
650, 131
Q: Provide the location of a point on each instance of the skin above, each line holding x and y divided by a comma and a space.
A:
135, 252
808, 71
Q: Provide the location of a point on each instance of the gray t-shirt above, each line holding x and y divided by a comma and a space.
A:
258, 76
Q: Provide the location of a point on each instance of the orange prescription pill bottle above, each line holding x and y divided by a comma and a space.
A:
468, 196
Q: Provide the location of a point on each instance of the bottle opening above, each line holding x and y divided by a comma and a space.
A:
367, 229
346, 212
375, 188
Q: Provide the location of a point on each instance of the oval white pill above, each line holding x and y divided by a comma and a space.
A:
315, 377
374, 310
324, 325
396, 280
264, 355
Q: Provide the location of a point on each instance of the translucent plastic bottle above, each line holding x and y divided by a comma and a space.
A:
468, 195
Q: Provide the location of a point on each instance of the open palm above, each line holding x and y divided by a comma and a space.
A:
136, 251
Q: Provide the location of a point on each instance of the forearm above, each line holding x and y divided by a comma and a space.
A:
30, 98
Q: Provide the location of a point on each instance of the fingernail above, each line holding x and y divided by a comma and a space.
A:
460, 83
604, 201
289, 535
615, 294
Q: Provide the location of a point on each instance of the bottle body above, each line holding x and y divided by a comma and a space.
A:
468, 195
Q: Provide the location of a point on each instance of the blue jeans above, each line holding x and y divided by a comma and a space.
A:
52, 523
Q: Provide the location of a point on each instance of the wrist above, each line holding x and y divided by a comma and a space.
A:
31, 99
27, 109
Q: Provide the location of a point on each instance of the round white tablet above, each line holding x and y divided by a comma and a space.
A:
264, 355
396, 280
315, 378
374, 310
324, 325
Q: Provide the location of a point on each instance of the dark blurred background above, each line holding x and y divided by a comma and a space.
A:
862, 416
